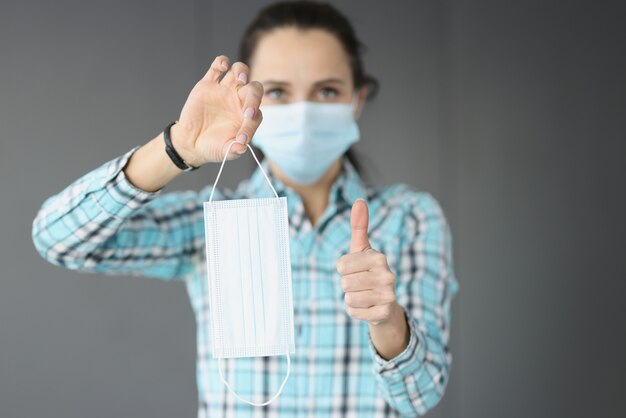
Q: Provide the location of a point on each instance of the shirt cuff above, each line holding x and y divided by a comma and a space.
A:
118, 197
407, 362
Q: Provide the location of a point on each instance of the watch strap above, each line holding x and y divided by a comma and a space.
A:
171, 152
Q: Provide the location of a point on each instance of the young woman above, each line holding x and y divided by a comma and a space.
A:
371, 266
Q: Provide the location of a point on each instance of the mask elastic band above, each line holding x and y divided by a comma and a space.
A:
255, 159
280, 389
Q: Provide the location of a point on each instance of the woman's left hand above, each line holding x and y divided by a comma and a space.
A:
367, 281
370, 289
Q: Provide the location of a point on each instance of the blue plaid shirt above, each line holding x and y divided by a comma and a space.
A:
102, 223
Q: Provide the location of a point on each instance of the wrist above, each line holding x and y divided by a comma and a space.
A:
150, 168
396, 317
179, 141
391, 337
156, 149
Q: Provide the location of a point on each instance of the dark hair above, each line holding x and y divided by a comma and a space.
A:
312, 15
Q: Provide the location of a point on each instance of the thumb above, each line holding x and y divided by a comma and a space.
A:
358, 222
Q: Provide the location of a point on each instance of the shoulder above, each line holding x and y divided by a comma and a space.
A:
404, 199
404, 209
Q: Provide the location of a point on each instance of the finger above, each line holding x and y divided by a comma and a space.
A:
375, 314
252, 115
236, 75
367, 280
359, 222
356, 262
218, 67
369, 298
232, 149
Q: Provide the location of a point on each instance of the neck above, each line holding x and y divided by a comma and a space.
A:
315, 195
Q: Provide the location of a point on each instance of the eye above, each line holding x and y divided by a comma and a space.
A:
275, 93
328, 93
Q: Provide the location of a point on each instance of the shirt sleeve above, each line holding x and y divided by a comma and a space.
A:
414, 381
102, 223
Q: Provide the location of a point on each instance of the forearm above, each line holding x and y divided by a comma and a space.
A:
391, 337
79, 220
150, 168
414, 380
100, 223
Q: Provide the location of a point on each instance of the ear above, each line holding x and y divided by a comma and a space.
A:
361, 94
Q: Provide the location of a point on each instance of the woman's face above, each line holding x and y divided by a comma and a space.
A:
303, 65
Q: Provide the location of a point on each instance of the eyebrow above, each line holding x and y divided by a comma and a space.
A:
326, 80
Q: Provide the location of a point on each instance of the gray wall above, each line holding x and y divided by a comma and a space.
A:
510, 112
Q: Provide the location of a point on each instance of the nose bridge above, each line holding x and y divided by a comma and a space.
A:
303, 89
301, 95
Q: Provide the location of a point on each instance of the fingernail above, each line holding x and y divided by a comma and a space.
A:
243, 77
248, 113
223, 63
241, 138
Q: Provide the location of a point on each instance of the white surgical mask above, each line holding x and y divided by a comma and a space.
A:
304, 138
249, 274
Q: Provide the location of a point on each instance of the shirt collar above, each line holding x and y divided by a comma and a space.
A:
348, 185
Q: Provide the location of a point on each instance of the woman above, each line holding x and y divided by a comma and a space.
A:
372, 266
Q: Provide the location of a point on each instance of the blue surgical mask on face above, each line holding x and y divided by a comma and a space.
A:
304, 138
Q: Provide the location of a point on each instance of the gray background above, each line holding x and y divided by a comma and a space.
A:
511, 113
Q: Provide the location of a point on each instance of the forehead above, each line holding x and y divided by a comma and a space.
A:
292, 54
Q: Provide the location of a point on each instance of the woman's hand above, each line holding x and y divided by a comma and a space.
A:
369, 287
217, 112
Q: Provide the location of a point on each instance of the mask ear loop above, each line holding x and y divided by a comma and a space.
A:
280, 389
219, 173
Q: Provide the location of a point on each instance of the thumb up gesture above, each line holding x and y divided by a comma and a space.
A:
368, 283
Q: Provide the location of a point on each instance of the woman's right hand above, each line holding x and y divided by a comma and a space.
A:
217, 112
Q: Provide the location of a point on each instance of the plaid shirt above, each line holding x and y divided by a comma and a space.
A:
102, 223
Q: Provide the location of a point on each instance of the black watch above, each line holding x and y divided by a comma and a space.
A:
171, 152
